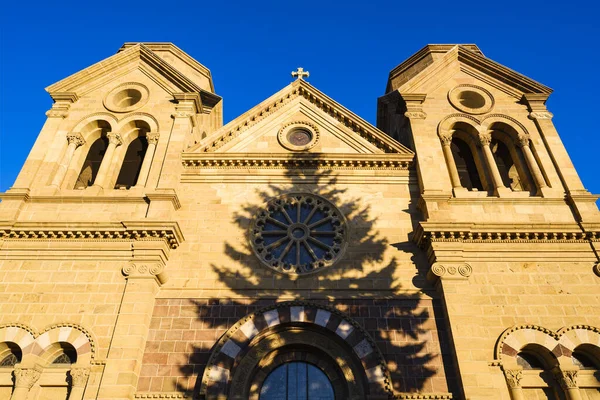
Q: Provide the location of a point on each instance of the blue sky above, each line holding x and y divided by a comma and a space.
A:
349, 48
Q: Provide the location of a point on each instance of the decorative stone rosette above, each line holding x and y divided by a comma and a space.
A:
298, 233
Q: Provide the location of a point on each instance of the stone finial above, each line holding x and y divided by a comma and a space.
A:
300, 74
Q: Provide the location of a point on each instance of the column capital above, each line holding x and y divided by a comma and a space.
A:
114, 138
446, 139
523, 141
75, 138
79, 376
541, 115
414, 105
566, 378
27, 377
513, 377
485, 138
152, 137
450, 271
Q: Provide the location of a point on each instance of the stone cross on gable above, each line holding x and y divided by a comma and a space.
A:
300, 73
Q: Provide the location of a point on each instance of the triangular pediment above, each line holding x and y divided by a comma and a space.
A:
137, 57
434, 64
340, 130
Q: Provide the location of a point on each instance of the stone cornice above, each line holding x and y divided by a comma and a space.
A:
419, 396
126, 230
300, 88
297, 161
503, 233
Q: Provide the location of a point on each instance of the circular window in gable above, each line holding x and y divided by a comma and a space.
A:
298, 233
298, 136
471, 99
126, 97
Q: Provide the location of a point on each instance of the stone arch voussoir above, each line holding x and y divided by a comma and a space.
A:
236, 342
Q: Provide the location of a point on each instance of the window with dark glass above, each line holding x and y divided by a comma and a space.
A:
92, 162
506, 166
132, 163
465, 164
297, 381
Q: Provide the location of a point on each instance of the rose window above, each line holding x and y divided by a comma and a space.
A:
298, 234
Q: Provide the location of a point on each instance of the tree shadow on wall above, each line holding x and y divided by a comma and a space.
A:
362, 284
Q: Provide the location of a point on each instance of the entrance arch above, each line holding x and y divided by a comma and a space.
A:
296, 331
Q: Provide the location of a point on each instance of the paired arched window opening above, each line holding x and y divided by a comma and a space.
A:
499, 159
112, 159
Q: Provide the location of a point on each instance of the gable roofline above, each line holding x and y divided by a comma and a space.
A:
177, 52
136, 53
467, 54
299, 88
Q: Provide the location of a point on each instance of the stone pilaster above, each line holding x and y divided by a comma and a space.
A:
79, 378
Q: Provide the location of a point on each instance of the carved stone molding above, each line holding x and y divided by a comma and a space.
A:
566, 379
160, 395
58, 110
513, 377
79, 376
526, 236
457, 271
300, 161
75, 138
143, 270
164, 230
541, 115
27, 377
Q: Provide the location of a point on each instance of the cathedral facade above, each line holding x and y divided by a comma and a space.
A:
147, 251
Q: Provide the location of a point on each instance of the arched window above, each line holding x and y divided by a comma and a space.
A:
92, 162
66, 354
539, 381
297, 381
465, 164
11, 355
132, 163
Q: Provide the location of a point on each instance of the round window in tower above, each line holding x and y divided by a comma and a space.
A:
298, 136
471, 99
298, 233
126, 97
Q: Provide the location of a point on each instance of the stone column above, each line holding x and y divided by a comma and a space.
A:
75, 140
79, 378
568, 382
446, 147
25, 378
513, 379
485, 139
540, 182
114, 140
152, 138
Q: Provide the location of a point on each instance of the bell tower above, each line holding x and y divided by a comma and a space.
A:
500, 201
